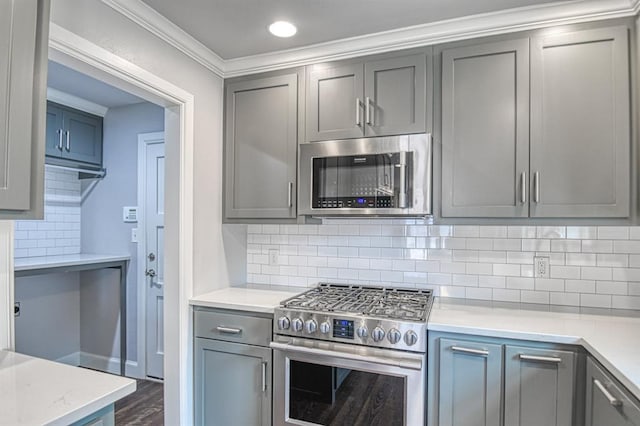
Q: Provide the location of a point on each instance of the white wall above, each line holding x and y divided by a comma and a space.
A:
103, 230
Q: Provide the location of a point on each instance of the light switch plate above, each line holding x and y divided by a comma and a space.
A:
134, 235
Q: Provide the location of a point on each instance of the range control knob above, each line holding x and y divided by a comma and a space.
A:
325, 327
394, 336
283, 323
410, 338
298, 324
311, 326
362, 332
377, 334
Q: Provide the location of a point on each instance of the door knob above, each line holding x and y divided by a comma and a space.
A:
150, 273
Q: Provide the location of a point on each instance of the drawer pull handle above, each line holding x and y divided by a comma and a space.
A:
229, 330
612, 399
264, 377
552, 359
470, 351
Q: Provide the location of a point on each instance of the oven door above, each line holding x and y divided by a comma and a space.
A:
325, 383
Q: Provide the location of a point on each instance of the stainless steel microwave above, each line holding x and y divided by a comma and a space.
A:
383, 176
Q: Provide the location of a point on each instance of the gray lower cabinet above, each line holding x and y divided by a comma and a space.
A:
261, 120
232, 372
485, 130
487, 381
73, 136
538, 386
380, 97
23, 72
104, 417
580, 124
470, 383
607, 402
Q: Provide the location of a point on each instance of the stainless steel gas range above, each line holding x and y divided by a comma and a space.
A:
351, 355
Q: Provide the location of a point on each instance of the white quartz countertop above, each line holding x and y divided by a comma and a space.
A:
613, 340
35, 391
244, 299
67, 260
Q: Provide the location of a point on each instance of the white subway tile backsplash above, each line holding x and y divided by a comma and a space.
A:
590, 266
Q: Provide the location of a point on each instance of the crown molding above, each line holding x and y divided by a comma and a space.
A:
147, 17
72, 101
486, 24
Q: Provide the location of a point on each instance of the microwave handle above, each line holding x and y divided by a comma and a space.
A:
402, 191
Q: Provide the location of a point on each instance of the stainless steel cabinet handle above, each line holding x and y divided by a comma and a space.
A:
60, 132
68, 141
229, 330
290, 195
553, 359
612, 399
536, 187
523, 187
471, 351
367, 108
358, 112
264, 377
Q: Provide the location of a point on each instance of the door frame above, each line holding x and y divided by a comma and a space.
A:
144, 139
82, 55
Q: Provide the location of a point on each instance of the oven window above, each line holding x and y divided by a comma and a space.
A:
334, 396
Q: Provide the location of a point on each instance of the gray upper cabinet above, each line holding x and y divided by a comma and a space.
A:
24, 35
260, 147
377, 98
470, 383
73, 136
539, 387
607, 402
485, 130
580, 124
334, 103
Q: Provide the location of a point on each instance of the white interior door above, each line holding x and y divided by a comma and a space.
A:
153, 211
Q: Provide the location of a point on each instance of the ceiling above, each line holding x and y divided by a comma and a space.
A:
238, 28
82, 86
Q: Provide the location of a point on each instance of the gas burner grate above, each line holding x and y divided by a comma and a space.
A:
380, 302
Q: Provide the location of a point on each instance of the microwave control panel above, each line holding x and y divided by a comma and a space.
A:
354, 202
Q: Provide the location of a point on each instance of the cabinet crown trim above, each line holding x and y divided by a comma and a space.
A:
473, 26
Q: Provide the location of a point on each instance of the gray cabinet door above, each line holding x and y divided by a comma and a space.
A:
539, 387
335, 108
607, 404
580, 134
21, 129
83, 137
260, 147
485, 130
470, 383
232, 384
395, 96
54, 133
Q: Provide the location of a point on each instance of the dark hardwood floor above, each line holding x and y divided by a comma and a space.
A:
144, 407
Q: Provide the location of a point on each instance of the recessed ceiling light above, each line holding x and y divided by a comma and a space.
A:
282, 29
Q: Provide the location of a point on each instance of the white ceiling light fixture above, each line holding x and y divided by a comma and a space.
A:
282, 29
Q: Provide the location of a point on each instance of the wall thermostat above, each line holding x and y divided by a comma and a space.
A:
130, 214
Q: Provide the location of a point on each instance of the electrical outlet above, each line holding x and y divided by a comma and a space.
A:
541, 267
273, 257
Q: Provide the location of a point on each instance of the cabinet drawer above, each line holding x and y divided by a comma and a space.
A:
607, 401
233, 327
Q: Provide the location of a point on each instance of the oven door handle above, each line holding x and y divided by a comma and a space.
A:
402, 362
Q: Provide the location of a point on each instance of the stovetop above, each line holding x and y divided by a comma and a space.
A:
368, 316
379, 302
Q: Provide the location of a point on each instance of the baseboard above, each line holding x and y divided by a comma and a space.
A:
71, 359
108, 364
